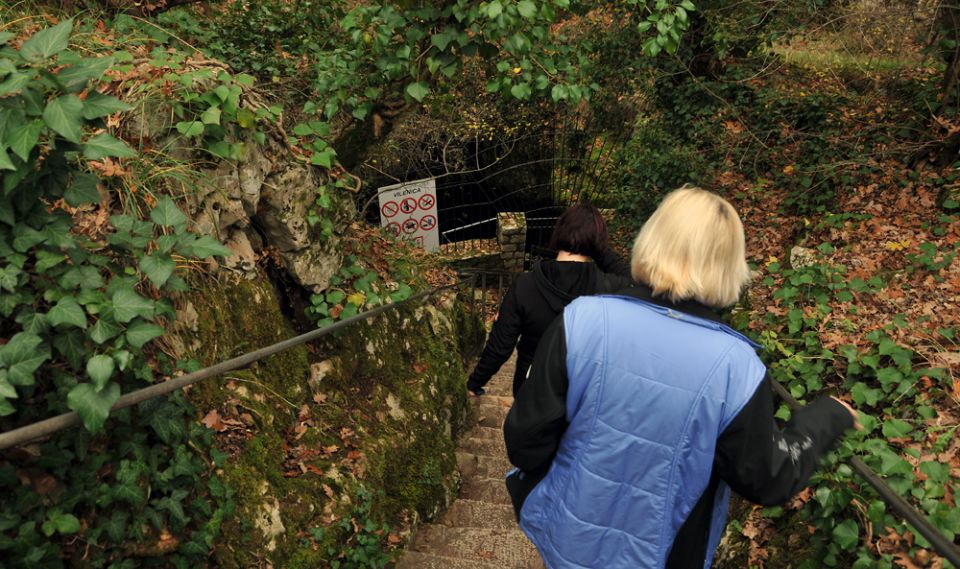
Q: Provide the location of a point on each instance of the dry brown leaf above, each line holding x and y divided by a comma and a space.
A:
212, 421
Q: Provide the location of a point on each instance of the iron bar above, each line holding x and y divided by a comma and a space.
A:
46, 427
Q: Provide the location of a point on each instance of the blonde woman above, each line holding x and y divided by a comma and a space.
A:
643, 410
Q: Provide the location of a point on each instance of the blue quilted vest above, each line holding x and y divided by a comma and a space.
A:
650, 391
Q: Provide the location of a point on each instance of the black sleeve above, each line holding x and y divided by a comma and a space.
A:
767, 465
538, 418
501, 342
610, 262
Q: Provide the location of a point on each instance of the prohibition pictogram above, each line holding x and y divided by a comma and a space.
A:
428, 222
408, 205
410, 225
389, 209
418, 240
393, 228
426, 201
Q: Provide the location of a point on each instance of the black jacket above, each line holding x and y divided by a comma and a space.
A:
534, 301
757, 459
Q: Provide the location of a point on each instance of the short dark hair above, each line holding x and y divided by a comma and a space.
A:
580, 230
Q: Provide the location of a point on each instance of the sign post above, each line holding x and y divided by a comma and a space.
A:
409, 210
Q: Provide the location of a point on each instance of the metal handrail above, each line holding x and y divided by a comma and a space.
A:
46, 427
940, 543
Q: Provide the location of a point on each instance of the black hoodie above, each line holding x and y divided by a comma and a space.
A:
534, 301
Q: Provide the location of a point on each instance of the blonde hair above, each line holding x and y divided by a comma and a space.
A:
692, 248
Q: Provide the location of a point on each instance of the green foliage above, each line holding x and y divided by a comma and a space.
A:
80, 312
882, 379
653, 163
353, 289
147, 493
272, 39
365, 549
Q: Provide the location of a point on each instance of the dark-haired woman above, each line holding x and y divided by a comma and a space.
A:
584, 265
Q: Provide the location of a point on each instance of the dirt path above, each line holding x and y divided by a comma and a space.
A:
479, 530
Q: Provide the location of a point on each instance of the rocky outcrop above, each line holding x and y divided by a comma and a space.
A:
261, 204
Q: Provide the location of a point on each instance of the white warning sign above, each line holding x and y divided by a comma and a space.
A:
410, 209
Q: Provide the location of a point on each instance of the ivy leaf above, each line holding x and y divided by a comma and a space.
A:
322, 158
100, 369
72, 345
527, 9
85, 277
211, 116
896, 428
443, 39
61, 523
47, 43
104, 145
190, 128
142, 332
157, 268
103, 330
47, 260
494, 9
22, 356
846, 534
14, 83
93, 406
5, 162
26, 237
6, 408
82, 190
123, 358
76, 77
115, 526
207, 246
25, 137
64, 115
7, 390
521, 91
167, 214
127, 305
9, 278
246, 118
98, 105
418, 91
67, 312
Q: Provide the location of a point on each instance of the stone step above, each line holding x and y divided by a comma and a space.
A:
486, 433
491, 490
502, 388
497, 400
483, 466
492, 415
508, 548
423, 560
483, 447
473, 514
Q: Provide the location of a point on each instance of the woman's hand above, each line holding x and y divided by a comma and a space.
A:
853, 413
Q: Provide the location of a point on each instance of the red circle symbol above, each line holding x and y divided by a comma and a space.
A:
408, 205
393, 228
410, 225
426, 201
389, 209
428, 222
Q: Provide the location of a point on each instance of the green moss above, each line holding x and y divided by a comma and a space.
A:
240, 316
395, 383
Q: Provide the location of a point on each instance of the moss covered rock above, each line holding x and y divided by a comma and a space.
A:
336, 449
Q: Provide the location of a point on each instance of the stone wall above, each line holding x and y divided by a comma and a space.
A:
512, 238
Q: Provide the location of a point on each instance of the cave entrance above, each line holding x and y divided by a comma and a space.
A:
538, 171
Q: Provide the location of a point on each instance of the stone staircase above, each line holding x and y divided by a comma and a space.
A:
479, 530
